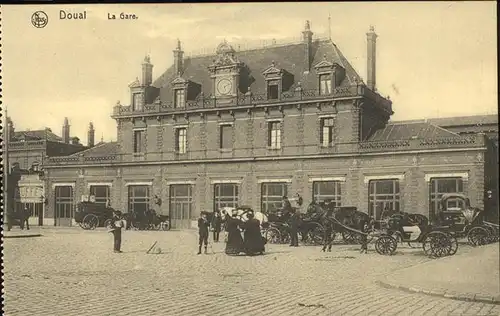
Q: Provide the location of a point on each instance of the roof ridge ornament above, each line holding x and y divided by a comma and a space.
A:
225, 55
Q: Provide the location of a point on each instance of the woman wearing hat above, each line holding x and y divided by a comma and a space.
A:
253, 240
234, 243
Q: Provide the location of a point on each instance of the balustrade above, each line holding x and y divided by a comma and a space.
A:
210, 102
476, 141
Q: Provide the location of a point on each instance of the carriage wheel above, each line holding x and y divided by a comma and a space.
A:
454, 245
91, 221
437, 244
348, 237
285, 237
386, 245
83, 225
155, 226
165, 226
107, 223
478, 236
492, 237
273, 236
317, 234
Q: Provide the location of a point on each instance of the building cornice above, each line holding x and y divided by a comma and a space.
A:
270, 158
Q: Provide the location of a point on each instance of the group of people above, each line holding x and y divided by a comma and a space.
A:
252, 242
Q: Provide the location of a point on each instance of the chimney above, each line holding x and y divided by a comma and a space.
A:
65, 131
147, 72
178, 59
307, 38
371, 38
91, 135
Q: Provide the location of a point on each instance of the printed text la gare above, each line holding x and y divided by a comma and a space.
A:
122, 16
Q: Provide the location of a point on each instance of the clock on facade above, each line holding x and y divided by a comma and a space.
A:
224, 86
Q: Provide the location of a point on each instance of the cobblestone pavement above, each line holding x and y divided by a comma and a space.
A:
75, 272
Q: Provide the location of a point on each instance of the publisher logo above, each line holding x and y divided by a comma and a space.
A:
39, 19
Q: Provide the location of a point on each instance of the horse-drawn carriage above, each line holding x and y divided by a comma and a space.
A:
310, 229
439, 238
147, 220
466, 221
90, 215
436, 240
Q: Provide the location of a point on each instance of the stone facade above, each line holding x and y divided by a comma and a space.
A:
276, 141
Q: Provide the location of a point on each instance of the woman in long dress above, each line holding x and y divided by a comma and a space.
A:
253, 240
234, 243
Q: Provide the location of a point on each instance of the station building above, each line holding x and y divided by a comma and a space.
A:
250, 126
28, 150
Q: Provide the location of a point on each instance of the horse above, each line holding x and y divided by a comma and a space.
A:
342, 217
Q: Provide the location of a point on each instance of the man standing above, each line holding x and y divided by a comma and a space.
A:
216, 225
294, 228
328, 238
203, 226
116, 229
25, 215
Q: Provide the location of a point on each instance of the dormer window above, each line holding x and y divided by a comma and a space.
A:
325, 84
330, 76
179, 98
273, 89
184, 90
278, 80
136, 102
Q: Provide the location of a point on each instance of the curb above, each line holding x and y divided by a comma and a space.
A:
22, 236
467, 297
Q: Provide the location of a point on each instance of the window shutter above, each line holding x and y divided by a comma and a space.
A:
321, 126
269, 133
330, 135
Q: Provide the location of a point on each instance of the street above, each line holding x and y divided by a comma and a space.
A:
75, 272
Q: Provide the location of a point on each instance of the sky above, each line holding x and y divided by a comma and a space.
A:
434, 59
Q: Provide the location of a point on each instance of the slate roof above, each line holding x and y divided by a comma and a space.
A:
37, 135
101, 149
464, 120
290, 57
411, 130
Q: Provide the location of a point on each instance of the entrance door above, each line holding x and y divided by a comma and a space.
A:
64, 206
181, 205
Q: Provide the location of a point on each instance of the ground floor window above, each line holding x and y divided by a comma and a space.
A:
102, 193
272, 196
383, 195
327, 190
181, 202
64, 201
225, 195
138, 198
440, 186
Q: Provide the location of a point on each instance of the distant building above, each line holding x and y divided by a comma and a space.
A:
250, 126
28, 151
